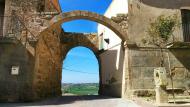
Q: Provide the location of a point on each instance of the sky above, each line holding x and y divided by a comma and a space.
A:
98, 6
80, 64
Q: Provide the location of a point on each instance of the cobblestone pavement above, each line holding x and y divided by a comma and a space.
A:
76, 101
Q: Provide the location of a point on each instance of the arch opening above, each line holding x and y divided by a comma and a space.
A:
111, 81
80, 26
80, 72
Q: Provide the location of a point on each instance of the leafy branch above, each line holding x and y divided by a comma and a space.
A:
162, 29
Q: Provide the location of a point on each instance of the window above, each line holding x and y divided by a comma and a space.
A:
186, 24
41, 6
2, 8
101, 45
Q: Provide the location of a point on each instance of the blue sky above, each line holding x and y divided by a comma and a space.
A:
98, 6
81, 65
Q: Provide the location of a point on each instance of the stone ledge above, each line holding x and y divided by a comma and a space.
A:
8, 40
144, 92
179, 45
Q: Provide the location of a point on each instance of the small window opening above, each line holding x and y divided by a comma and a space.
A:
186, 24
2, 9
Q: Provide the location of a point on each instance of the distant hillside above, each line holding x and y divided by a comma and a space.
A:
80, 89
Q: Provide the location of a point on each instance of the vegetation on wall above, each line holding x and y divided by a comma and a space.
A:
160, 31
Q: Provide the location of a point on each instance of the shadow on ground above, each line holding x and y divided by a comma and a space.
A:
56, 101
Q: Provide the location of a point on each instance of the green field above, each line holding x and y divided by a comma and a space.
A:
81, 89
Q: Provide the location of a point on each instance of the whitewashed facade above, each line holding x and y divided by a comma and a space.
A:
112, 59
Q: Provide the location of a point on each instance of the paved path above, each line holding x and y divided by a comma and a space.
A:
76, 101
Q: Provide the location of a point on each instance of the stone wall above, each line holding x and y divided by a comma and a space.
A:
24, 18
122, 20
51, 49
34, 14
143, 12
15, 87
80, 39
28, 7
112, 72
48, 64
142, 62
143, 58
40, 72
40, 75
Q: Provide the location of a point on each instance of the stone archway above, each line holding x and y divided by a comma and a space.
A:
74, 15
90, 41
50, 51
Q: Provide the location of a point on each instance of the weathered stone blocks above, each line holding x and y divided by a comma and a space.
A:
142, 62
89, 16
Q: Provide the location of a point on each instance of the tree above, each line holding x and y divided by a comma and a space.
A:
160, 31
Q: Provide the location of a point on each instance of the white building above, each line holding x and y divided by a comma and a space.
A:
116, 7
111, 44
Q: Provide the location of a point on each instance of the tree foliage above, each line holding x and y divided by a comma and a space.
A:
162, 29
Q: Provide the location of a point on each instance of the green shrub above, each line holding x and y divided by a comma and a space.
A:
162, 29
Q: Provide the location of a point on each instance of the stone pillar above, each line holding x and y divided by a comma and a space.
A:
161, 83
161, 95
